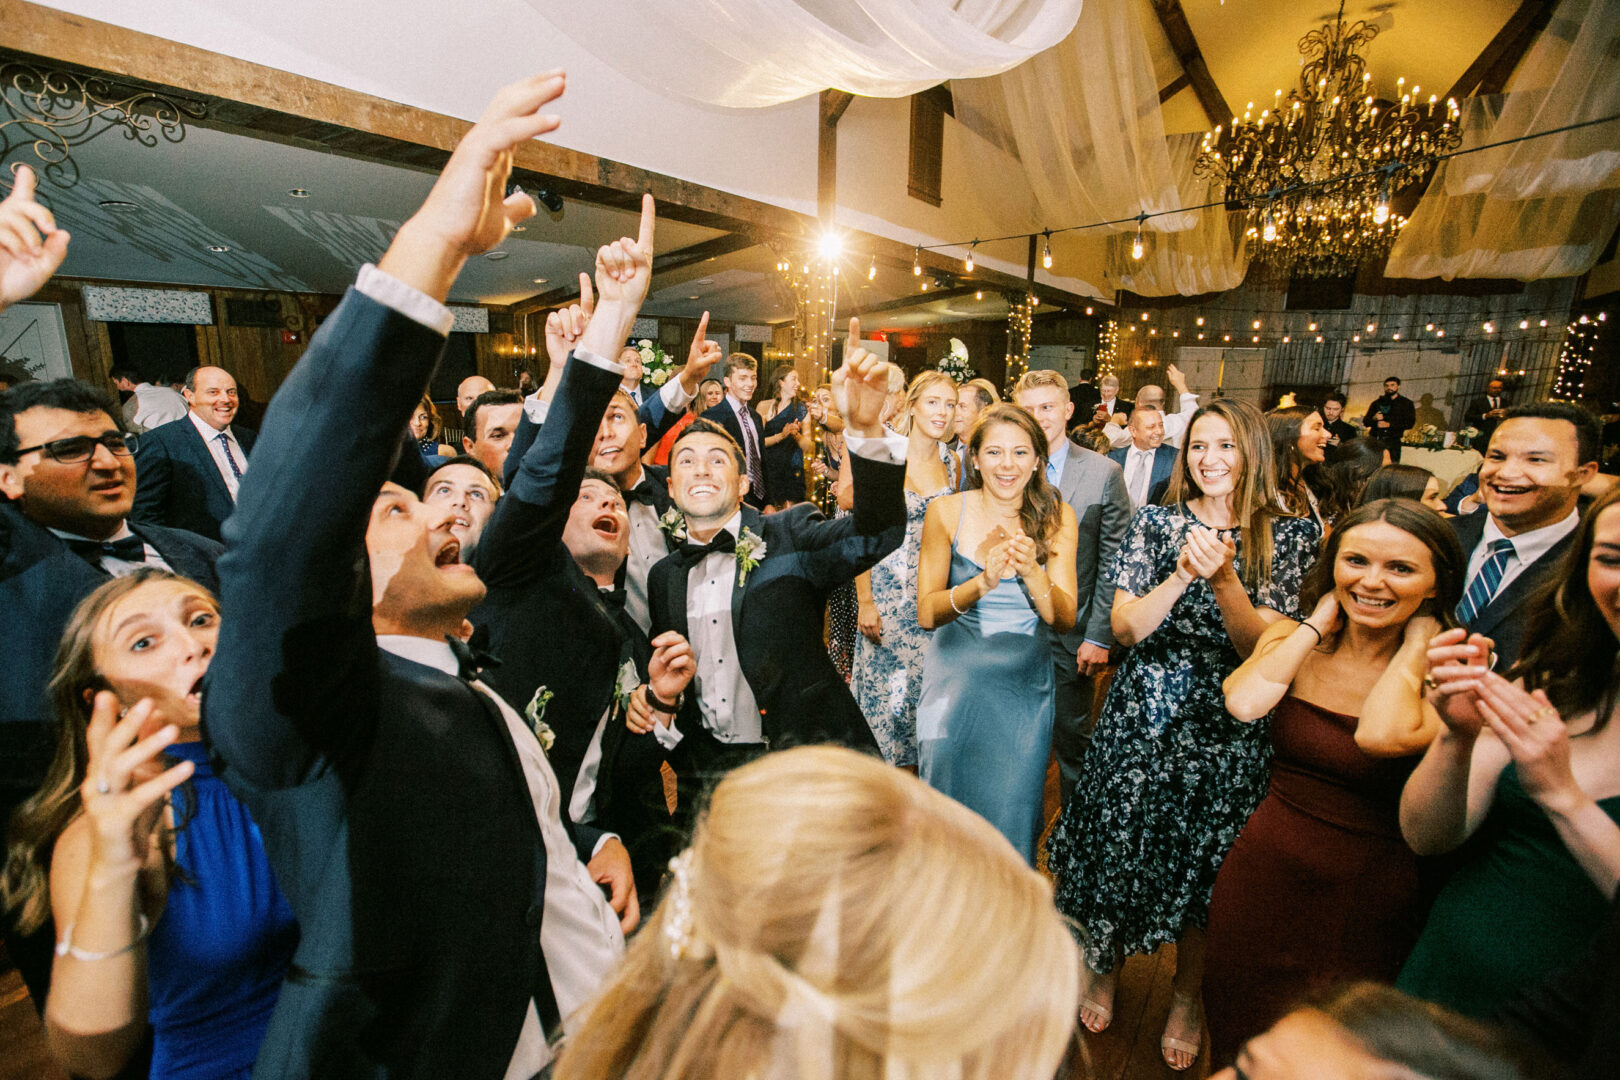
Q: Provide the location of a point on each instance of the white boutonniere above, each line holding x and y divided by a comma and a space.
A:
625, 685
535, 713
749, 551
673, 525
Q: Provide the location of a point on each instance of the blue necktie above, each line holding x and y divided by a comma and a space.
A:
1053, 471
225, 444
1485, 582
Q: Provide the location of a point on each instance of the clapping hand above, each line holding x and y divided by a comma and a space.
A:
125, 783
997, 562
31, 246
468, 211
1533, 732
1457, 662
1023, 555
861, 386
1206, 553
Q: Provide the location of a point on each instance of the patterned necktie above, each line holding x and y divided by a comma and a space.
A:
1141, 470
756, 468
1486, 581
129, 549
225, 444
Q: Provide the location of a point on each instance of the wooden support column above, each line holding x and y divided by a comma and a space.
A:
833, 104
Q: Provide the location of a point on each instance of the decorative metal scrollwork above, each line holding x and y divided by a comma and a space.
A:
46, 112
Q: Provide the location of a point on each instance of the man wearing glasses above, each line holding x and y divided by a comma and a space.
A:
67, 474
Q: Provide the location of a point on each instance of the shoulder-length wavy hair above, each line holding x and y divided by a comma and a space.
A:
40, 821
435, 424
773, 385
1294, 472
914, 393
1041, 514
1572, 652
1417, 521
791, 942
1255, 503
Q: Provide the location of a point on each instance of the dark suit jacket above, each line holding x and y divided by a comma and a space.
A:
177, 482
657, 419
1095, 488
391, 798
777, 614
1164, 463
1503, 619
1475, 417
546, 621
724, 415
1084, 397
1400, 412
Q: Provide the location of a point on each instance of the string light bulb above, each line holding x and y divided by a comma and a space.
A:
1046, 253
968, 262
916, 262
1136, 245
1380, 212
1268, 227
871, 271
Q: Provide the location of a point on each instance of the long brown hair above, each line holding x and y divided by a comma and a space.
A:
1294, 473
1255, 502
44, 816
1041, 514
1572, 653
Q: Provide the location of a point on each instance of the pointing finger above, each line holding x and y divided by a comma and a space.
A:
644, 238
854, 333
703, 324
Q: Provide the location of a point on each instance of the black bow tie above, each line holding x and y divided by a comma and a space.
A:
130, 549
645, 492
692, 554
613, 598
470, 661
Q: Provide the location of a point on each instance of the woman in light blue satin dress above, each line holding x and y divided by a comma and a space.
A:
995, 578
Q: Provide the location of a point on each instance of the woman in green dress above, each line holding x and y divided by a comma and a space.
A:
1530, 774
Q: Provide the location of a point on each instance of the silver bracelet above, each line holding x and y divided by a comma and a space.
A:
65, 947
950, 594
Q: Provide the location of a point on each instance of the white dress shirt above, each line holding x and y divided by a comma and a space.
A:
1527, 548
153, 406
579, 934
216, 450
1138, 475
647, 548
120, 567
1175, 425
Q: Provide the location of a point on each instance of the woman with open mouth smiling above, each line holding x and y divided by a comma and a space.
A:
166, 910
1344, 693
1171, 776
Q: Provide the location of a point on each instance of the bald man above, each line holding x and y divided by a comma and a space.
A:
468, 391
187, 472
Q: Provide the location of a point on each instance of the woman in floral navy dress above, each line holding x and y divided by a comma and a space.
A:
1171, 776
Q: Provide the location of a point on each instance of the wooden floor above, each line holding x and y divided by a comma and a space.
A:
1128, 1050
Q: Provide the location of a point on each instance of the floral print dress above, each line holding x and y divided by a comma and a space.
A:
887, 678
1171, 776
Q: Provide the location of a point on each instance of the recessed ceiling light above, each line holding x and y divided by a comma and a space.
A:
694, 297
496, 256
706, 281
218, 249
118, 206
299, 193
539, 281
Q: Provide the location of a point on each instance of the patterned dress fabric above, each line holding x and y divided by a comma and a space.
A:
887, 678
1171, 776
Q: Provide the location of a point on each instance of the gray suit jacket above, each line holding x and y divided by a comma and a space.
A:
1095, 488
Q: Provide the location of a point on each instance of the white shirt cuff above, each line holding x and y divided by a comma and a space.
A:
599, 361
536, 409
668, 737
675, 396
1117, 436
604, 838
414, 304
890, 449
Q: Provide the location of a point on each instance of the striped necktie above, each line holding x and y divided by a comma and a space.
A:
1486, 582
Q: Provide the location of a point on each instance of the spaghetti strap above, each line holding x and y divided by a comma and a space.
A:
961, 512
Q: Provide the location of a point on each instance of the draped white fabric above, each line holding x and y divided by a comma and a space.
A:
753, 53
1212, 256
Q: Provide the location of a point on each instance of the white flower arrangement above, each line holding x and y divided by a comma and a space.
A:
955, 363
749, 551
656, 365
673, 525
625, 685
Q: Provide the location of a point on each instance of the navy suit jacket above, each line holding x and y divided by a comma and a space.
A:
777, 613
176, 481
391, 798
1164, 463
1503, 619
726, 417
653, 414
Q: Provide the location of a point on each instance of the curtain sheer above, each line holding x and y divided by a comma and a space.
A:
753, 53
1212, 256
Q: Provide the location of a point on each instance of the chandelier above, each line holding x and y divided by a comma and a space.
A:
1318, 170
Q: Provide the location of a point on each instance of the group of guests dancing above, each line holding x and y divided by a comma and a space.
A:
374, 785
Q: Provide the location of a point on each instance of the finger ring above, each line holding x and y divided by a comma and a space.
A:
1428, 680
102, 787
1545, 714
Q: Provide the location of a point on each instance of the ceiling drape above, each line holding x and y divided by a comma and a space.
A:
753, 53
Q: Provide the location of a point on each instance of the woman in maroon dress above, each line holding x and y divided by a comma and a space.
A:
1320, 888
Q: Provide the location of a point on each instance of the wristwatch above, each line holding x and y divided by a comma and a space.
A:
658, 705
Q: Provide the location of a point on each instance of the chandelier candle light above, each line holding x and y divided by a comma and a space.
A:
1317, 171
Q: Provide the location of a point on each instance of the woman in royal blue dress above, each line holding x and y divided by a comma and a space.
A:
995, 578
1171, 776
167, 914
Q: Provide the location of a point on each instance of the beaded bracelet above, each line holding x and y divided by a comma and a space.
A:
65, 947
951, 596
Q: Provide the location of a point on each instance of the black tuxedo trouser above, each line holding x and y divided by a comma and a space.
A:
700, 761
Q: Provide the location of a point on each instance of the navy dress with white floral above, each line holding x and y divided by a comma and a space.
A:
1171, 776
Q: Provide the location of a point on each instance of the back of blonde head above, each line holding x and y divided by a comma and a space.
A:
846, 923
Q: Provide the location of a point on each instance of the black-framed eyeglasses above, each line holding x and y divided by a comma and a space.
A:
80, 448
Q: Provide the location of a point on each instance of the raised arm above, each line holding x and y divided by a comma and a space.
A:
31, 245
1395, 720
1262, 681
289, 683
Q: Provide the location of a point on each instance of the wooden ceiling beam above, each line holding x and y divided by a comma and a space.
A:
1177, 29
1489, 72
669, 260
1180, 83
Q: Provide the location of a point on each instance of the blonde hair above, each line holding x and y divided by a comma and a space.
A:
1255, 502
915, 391
1041, 377
837, 919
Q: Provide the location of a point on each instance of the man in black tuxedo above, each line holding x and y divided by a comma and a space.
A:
67, 474
1083, 395
737, 415
1339, 431
492, 421
1147, 462
447, 918
190, 469
748, 590
1389, 417
1488, 411
1538, 460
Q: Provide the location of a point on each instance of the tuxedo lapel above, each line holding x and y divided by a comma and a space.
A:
1510, 600
752, 521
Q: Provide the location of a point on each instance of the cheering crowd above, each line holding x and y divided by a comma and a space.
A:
343, 751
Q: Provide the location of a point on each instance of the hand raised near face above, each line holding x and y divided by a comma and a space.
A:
861, 386
565, 326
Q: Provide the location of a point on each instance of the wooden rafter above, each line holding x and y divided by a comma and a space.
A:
1176, 28
1489, 72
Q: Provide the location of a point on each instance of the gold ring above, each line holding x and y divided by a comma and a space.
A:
1545, 714
1428, 680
